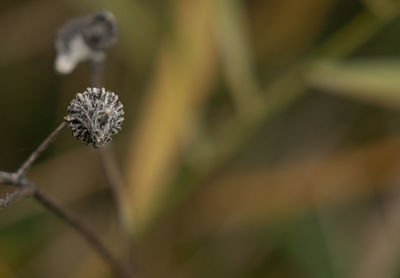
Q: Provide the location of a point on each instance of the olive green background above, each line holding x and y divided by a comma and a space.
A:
261, 139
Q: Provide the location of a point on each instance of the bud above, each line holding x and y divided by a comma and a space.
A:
94, 116
85, 38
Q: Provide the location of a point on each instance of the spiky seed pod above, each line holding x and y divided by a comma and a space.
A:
85, 38
94, 116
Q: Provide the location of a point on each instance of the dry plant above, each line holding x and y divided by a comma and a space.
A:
184, 164
94, 116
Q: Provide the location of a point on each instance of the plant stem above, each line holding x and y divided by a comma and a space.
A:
113, 177
84, 231
5, 178
108, 160
42, 147
97, 73
25, 188
18, 194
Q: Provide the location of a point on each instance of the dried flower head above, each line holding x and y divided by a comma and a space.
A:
85, 38
95, 116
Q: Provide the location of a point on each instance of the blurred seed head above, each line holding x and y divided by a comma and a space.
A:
84, 38
94, 116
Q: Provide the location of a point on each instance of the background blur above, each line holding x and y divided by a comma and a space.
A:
262, 139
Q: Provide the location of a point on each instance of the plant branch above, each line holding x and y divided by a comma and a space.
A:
42, 147
28, 189
83, 230
97, 73
25, 188
6, 178
18, 194
113, 177
109, 163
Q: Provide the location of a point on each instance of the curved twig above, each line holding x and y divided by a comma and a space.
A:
42, 147
84, 230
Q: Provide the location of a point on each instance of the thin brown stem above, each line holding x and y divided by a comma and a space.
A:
110, 166
18, 194
6, 178
26, 189
42, 147
97, 73
84, 231
113, 177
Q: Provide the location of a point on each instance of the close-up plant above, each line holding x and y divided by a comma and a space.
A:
94, 116
211, 138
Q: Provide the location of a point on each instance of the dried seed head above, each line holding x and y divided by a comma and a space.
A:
95, 116
85, 38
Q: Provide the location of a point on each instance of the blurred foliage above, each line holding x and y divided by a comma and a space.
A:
261, 139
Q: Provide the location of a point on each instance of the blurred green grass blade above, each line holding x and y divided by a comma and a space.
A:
353, 35
232, 37
381, 8
375, 81
307, 248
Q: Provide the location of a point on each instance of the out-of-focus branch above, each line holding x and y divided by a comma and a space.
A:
114, 178
20, 193
107, 155
85, 231
6, 178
